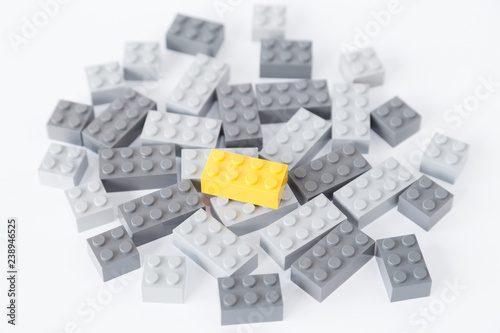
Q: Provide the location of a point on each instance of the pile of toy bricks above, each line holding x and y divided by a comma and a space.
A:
309, 213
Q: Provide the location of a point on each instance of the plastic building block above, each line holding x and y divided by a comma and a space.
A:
286, 58
394, 121
195, 92
243, 218
63, 166
403, 268
268, 22
362, 66
250, 299
332, 261
350, 116
156, 214
298, 140
68, 121
181, 130
105, 82
90, 205
278, 102
444, 158
120, 123
213, 247
328, 173
240, 116
164, 279
193, 161
191, 35
113, 253
425, 203
291, 236
374, 193
244, 178
137, 168
142, 61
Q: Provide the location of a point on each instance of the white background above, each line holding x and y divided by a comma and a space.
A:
435, 54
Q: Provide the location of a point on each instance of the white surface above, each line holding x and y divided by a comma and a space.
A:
435, 53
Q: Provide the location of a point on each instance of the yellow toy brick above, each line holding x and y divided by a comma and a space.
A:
244, 178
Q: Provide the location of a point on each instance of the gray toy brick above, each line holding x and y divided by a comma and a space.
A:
286, 58
164, 279
327, 173
351, 116
142, 61
243, 218
298, 140
137, 168
444, 158
332, 261
105, 82
374, 193
268, 22
250, 299
193, 161
63, 166
278, 102
213, 247
394, 121
120, 123
68, 121
403, 268
156, 214
194, 94
425, 203
90, 205
291, 236
192, 35
240, 116
113, 253
182, 130
362, 66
